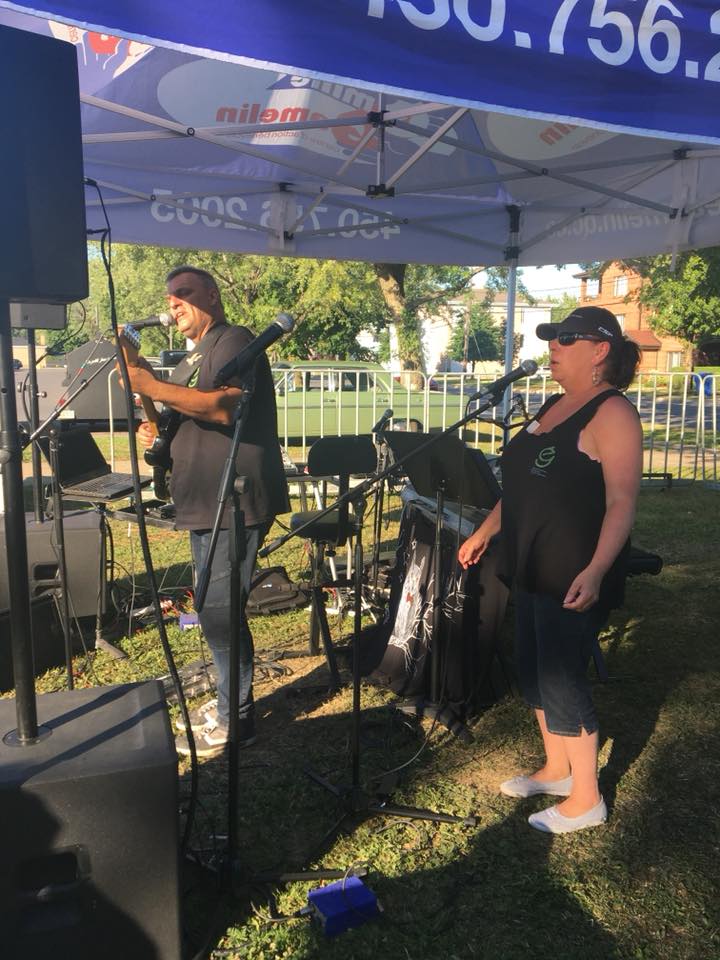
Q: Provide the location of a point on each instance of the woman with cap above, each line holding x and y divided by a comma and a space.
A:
570, 484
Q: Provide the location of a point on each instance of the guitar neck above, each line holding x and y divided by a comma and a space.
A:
151, 413
130, 343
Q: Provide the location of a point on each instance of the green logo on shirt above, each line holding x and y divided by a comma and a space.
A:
545, 457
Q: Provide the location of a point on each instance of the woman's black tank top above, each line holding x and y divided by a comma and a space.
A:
553, 505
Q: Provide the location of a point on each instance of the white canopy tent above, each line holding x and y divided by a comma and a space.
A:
387, 131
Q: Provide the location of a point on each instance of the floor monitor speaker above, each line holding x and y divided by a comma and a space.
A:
90, 861
43, 254
83, 533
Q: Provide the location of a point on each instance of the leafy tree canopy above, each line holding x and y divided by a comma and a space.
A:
413, 291
562, 306
685, 301
477, 332
684, 298
331, 301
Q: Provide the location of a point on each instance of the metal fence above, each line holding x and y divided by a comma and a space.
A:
679, 411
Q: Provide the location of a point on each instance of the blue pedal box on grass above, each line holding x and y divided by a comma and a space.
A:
343, 904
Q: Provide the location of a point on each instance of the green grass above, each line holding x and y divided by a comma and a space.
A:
644, 886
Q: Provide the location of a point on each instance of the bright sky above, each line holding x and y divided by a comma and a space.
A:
551, 282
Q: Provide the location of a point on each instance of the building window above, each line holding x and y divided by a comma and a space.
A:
592, 288
620, 286
674, 359
620, 317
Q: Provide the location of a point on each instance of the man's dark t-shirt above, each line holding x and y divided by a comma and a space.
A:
199, 449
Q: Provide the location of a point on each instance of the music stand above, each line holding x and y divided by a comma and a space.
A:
448, 470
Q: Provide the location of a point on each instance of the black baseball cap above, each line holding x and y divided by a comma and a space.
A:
595, 321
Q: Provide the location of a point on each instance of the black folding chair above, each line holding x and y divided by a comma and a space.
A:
336, 458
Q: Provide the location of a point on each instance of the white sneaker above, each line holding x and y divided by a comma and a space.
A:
199, 717
527, 787
552, 821
210, 741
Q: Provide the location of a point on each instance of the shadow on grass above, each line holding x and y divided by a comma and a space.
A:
644, 886
484, 890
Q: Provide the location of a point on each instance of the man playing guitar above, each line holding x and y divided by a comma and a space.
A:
199, 450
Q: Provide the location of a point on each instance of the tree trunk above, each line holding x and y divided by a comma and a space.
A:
391, 279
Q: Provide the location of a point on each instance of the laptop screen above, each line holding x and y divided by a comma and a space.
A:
79, 457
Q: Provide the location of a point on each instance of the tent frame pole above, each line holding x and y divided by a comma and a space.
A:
512, 254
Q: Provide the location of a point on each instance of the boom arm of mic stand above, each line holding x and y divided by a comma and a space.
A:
28, 438
366, 485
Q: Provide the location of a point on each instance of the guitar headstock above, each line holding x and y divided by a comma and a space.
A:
131, 335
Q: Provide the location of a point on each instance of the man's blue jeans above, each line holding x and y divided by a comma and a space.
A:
215, 616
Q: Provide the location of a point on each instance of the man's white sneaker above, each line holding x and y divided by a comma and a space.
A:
199, 717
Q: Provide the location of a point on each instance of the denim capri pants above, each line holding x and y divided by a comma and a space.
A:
553, 647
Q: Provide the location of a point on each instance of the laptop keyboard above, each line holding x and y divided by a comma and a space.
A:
107, 487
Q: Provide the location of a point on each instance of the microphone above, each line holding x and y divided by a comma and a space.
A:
157, 320
495, 390
382, 422
282, 324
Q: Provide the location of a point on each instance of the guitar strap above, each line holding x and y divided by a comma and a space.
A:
187, 372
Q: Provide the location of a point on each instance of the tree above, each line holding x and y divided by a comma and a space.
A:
562, 307
332, 302
411, 291
685, 299
478, 333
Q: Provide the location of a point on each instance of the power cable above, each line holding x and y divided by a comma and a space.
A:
106, 254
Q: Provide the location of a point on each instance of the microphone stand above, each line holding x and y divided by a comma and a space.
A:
29, 438
360, 806
230, 488
59, 520
381, 448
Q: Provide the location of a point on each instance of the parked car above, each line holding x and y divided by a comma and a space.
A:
17, 364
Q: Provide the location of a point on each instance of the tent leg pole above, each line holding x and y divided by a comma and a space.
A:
511, 256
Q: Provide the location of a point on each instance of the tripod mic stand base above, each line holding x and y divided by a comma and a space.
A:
440, 713
360, 806
112, 651
381, 808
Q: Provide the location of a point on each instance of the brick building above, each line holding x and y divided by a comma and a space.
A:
618, 290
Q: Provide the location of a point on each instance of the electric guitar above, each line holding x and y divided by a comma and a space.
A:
156, 456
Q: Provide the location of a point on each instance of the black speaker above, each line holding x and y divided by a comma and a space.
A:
83, 541
48, 640
43, 254
90, 864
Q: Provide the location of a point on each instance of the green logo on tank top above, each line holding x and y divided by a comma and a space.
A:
545, 457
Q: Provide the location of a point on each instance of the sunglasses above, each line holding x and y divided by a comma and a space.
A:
566, 339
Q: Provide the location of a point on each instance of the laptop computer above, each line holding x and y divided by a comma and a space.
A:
84, 473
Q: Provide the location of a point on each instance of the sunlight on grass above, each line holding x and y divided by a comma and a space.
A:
644, 886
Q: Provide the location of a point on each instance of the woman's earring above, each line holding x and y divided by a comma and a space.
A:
595, 377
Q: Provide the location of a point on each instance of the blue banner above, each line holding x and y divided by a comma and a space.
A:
650, 66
